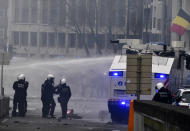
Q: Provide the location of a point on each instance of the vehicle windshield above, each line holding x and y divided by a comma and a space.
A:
186, 95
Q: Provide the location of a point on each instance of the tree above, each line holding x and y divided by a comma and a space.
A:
93, 17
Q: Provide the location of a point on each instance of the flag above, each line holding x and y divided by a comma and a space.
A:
181, 22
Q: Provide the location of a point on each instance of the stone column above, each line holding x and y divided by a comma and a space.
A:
38, 44
38, 30
19, 39
47, 45
76, 45
126, 7
29, 44
106, 43
9, 20
57, 41
186, 36
66, 33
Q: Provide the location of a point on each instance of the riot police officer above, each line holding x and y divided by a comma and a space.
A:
47, 91
64, 95
162, 95
20, 86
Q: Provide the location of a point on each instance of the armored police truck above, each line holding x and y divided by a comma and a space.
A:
119, 100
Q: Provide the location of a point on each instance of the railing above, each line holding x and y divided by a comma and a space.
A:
154, 116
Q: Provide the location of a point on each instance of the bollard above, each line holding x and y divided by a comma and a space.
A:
131, 117
4, 107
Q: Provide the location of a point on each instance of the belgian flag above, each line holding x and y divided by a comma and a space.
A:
181, 22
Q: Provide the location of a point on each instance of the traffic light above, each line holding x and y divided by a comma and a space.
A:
188, 62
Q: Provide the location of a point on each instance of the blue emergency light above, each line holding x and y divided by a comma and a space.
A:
160, 75
123, 103
116, 73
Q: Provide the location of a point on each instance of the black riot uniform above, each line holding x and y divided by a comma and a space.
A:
20, 95
163, 96
47, 91
64, 95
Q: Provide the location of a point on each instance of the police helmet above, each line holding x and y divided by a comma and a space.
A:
50, 76
21, 77
159, 85
63, 81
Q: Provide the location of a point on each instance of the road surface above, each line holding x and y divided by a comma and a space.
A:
34, 122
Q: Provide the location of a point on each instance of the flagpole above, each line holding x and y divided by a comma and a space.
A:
179, 38
182, 65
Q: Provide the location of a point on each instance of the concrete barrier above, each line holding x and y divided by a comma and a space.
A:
154, 116
4, 107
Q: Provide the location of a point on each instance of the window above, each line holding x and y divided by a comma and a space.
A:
154, 10
90, 41
159, 24
44, 16
75, 11
43, 39
25, 15
186, 96
25, 11
53, 16
16, 11
51, 39
154, 22
2, 12
121, 13
62, 14
102, 8
72, 39
15, 38
81, 13
61, 10
81, 40
146, 15
61, 39
100, 39
24, 38
44, 12
91, 7
34, 4
33, 38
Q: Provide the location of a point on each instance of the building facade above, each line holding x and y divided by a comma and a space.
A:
157, 20
3, 24
176, 5
61, 27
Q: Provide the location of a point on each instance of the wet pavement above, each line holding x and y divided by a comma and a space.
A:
91, 119
36, 123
